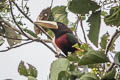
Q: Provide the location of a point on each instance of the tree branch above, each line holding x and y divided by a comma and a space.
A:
9, 48
32, 21
37, 27
15, 20
114, 37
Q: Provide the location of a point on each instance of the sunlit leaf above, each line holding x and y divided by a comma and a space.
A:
60, 14
113, 19
82, 6
30, 71
22, 69
50, 33
94, 21
103, 13
89, 76
93, 57
57, 66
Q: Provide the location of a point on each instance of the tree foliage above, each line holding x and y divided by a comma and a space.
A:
89, 64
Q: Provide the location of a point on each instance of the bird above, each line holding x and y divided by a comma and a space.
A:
64, 37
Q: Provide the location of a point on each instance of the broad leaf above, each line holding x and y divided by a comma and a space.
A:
1, 40
60, 15
30, 71
109, 75
117, 58
57, 66
22, 69
113, 19
89, 76
82, 6
93, 57
94, 21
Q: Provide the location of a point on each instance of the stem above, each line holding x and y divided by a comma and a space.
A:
81, 23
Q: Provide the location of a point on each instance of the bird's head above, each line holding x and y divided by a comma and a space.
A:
57, 27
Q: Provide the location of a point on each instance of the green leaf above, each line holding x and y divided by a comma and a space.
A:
73, 58
117, 58
103, 13
82, 6
57, 66
109, 75
113, 19
1, 40
22, 69
30, 32
89, 76
94, 21
93, 57
104, 40
31, 78
63, 75
60, 15
50, 33
32, 71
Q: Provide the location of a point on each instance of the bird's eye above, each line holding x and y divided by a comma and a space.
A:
46, 14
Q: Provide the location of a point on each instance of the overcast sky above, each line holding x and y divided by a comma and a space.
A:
34, 53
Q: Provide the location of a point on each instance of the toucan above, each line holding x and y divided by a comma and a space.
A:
64, 37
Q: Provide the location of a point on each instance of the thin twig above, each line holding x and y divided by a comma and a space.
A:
15, 20
75, 31
81, 24
114, 37
14, 38
51, 4
17, 46
32, 21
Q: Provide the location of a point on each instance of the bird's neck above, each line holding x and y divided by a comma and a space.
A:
59, 33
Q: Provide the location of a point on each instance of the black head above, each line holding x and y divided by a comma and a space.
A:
62, 29
57, 27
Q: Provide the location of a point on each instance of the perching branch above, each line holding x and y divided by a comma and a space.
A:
36, 25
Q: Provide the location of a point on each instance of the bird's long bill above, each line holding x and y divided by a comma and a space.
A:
47, 24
